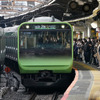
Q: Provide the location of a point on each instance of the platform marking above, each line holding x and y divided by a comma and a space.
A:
81, 75
96, 82
90, 86
65, 96
86, 66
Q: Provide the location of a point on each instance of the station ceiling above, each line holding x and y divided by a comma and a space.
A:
10, 7
64, 10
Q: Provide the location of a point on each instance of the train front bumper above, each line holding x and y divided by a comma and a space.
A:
48, 80
54, 69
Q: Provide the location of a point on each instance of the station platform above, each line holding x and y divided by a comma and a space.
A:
86, 84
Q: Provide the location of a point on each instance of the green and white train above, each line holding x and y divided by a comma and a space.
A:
42, 52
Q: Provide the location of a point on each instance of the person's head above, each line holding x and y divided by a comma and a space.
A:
75, 40
81, 40
91, 39
78, 40
88, 40
85, 40
96, 40
99, 40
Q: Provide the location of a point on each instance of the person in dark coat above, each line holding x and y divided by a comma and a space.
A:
92, 60
86, 51
75, 50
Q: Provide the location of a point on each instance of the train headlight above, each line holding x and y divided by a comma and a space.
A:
27, 26
73, 5
62, 26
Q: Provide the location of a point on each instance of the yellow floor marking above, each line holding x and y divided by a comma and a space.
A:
95, 90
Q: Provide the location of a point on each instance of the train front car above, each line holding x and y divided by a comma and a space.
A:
45, 53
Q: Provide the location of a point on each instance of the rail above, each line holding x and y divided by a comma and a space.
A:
53, 96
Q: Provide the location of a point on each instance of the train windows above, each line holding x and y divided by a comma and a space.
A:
45, 42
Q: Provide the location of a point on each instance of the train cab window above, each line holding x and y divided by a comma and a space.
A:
45, 42
57, 42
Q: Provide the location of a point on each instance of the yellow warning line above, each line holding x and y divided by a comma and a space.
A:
95, 90
86, 66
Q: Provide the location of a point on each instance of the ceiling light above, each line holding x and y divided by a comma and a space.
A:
94, 24
73, 5
86, 7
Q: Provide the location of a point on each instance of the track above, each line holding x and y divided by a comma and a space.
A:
33, 96
41, 94
54, 96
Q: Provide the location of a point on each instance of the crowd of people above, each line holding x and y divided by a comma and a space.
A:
87, 50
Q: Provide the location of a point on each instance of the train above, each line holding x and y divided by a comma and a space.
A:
42, 52
2, 48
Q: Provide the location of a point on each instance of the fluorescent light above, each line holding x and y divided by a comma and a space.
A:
94, 24
73, 28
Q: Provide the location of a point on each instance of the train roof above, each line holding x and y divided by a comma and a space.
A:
11, 29
44, 19
38, 19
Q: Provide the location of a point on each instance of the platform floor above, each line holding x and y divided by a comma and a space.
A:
86, 85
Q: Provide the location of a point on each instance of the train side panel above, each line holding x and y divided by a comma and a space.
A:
2, 46
11, 47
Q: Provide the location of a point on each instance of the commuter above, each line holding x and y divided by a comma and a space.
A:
75, 50
86, 51
95, 52
79, 45
83, 59
92, 51
89, 50
91, 47
59, 40
98, 53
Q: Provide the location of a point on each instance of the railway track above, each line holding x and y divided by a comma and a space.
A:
33, 96
20, 94
54, 96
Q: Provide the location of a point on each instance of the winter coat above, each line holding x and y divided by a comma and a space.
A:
98, 52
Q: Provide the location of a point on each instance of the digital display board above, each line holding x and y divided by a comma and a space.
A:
45, 26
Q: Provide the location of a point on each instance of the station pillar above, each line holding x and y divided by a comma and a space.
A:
83, 34
98, 28
88, 30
